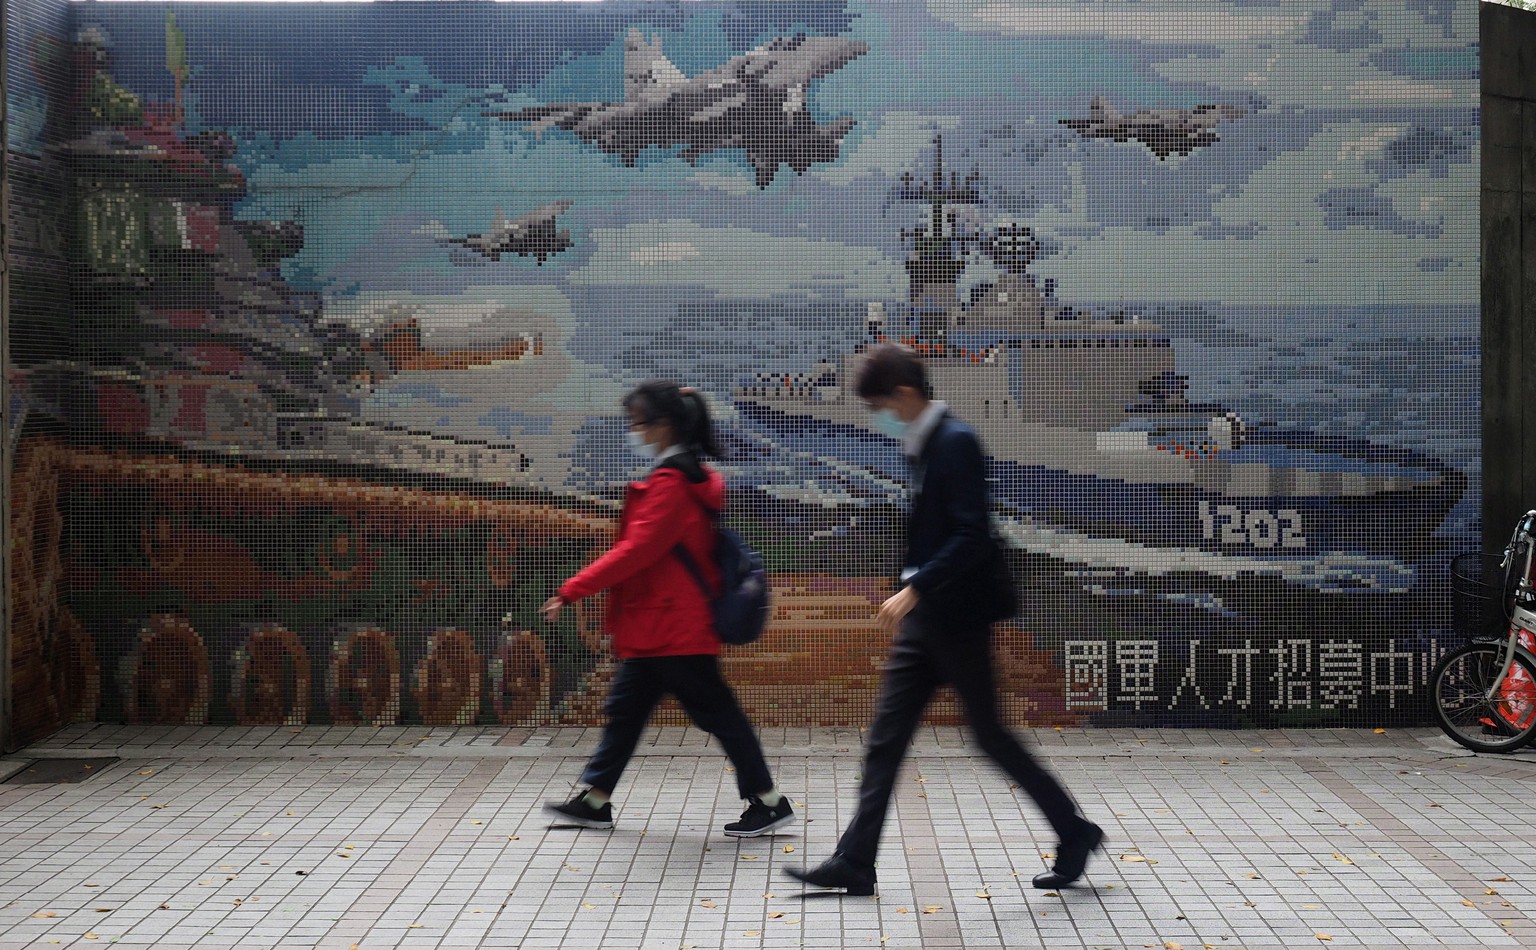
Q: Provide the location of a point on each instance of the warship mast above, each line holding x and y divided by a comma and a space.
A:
938, 249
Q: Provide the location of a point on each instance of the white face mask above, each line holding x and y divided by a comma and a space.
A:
887, 422
639, 446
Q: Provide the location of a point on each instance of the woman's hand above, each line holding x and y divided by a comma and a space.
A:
897, 606
551, 608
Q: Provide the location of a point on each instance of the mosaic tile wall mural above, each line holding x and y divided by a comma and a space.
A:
358, 290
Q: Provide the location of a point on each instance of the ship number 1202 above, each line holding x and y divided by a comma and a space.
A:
1257, 527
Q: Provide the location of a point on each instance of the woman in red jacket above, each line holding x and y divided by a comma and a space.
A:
658, 617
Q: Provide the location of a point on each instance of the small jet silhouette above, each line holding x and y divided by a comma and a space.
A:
1164, 131
755, 101
530, 235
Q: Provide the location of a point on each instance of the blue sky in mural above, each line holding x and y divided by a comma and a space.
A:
1315, 184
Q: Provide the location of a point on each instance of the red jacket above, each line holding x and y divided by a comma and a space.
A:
655, 607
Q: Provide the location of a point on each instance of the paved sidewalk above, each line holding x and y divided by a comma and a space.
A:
429, 837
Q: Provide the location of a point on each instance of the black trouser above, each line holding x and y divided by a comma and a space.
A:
696, 682
919, 663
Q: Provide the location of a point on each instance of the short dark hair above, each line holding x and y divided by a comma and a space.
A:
887, 366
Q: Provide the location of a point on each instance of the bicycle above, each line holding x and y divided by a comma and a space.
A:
1484, 692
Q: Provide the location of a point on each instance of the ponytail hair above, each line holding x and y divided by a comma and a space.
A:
682, 407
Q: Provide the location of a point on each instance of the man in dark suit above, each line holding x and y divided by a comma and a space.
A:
955, 585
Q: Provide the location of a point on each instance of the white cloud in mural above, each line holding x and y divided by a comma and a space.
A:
1290, 251
1162, 23
735, 262
892, 148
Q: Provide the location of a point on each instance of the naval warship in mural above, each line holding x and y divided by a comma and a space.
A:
1098, 457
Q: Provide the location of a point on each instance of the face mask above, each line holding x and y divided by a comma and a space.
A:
639, 446
887, 423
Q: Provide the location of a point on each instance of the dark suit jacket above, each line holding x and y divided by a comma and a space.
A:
949, 531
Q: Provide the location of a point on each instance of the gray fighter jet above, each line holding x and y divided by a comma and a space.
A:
1164, 131
530, 235
755, 102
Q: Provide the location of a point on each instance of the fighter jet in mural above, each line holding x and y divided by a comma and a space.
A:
1164, 131
755, 102
530, 235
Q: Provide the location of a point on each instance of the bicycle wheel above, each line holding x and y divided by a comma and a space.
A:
1459, 688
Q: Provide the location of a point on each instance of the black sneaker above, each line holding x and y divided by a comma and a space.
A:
580, 813
759, 819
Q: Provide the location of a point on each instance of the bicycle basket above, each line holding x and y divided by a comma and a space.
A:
1477, 596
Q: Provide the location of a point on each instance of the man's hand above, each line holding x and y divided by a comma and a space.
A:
551, 608
897, 606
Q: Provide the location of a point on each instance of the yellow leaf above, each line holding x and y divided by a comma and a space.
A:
1253, 877
1468, 904
709, 904
1490, 891
751, 933
1172, 945
417, 926
514, 837
1323, 936
789, 849
920, 779
1132, 857
984, 895
343, 854
477, 822
776, 915
933, 908
1340, 857
587, 906
90, 936
749, 857
1502, 879
45, 913
901, 910
1379, 732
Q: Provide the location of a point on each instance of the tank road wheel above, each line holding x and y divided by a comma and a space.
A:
166, 675
521, 680
364, 680
271, 681
76, 671
447, 689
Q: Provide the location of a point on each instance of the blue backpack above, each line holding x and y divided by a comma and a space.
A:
742, 606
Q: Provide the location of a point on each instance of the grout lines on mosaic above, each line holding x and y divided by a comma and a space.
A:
332, 401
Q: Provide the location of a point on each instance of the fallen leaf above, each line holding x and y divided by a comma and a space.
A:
417, 926
776, 915
1490, 891
514, 837
920, 779
901, 910
1379, 732
45, 913
1340, 857
709, 904
933, 908
1323, 936
1468, 904
789, 849
587, 906
1172, 945
1132, 857
984, 895
477, 822
165, 906
90, 936
1503, 879
751, 933
749, 857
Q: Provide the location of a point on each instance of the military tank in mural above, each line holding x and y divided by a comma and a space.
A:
255, 552
1098, 456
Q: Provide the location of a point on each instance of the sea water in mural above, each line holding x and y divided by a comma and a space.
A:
1213, 319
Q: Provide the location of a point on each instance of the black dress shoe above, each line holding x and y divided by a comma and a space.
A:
837, 871
1071, 858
